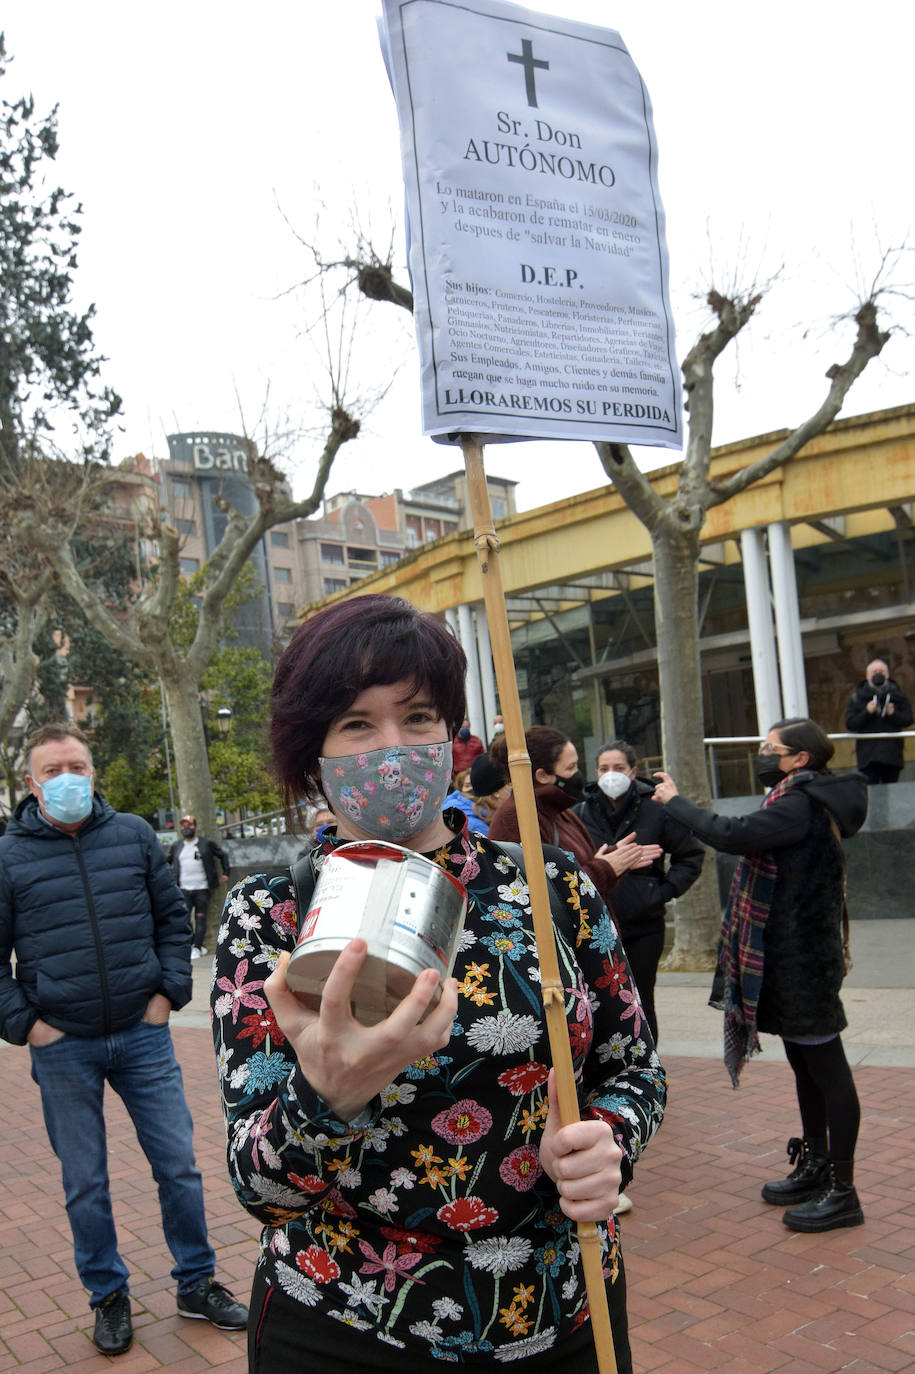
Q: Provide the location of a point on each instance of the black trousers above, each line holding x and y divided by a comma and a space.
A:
881, 772
285, 1336
827, 1097
198, 899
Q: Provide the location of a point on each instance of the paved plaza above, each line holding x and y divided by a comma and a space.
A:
716, 1282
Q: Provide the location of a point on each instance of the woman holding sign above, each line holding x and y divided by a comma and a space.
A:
417, 1190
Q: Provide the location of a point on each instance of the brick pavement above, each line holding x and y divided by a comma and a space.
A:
715, 1280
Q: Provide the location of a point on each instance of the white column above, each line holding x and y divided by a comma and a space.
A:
451, 620
762, 639
469, 645
787, 620
487, 677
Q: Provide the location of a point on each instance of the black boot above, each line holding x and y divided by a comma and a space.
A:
805, 1181
835, 1205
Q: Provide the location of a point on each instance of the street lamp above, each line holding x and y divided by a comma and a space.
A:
224, 720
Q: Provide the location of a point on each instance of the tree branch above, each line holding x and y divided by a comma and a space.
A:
18, 660
241, 536
100, 618
634, 487
868, 344
733, 313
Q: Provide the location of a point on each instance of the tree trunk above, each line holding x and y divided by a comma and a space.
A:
192, 764
676, 595
18, 660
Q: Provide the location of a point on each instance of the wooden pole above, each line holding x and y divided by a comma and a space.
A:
519, 764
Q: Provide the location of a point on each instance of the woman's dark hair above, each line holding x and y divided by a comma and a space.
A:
799, 733
369, 641
544, 745
621, 747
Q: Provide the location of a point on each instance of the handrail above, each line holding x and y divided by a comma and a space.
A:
710, 741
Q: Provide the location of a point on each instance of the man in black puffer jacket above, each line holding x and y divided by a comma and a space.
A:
101, 938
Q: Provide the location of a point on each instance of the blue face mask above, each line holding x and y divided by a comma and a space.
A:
68, 797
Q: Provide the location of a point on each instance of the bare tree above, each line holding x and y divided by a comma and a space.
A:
675, 527
144, 634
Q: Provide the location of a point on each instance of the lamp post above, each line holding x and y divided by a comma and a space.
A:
224, 720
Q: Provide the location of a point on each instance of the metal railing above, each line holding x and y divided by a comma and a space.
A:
711, 742
267, 823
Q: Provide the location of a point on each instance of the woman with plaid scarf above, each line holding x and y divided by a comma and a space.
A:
783, 950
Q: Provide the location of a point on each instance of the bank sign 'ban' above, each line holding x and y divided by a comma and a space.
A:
537, 253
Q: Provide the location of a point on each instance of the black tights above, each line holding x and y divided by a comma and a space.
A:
827, 1097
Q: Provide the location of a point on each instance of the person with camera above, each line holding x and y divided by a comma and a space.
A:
878, 706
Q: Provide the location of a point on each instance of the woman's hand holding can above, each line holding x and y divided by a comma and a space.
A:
347, 1063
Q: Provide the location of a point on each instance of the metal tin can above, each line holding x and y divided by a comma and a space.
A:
409, 911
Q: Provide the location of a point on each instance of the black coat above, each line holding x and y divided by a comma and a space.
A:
209, 852
803, 958
95, 919
862, 722
640, 895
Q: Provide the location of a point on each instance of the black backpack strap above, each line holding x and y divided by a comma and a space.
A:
303, 877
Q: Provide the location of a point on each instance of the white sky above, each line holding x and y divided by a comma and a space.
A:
785, 137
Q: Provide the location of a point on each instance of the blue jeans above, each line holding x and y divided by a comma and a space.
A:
140, 1065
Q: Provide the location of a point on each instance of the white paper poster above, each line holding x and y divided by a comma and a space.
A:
537, 254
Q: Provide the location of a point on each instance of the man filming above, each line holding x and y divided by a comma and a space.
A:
879, 706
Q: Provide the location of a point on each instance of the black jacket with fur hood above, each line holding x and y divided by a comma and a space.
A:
804, 967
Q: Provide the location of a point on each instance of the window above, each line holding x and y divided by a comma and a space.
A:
498, 507
362, 560
279, 539
334, 584
181, 491
285, 609
186, 526
332, 553
388, 558
282, 574
189, 566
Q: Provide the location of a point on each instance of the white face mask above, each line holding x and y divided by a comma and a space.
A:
614, 785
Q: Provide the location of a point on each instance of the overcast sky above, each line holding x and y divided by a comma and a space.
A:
195, 134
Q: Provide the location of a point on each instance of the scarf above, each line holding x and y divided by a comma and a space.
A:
739, 973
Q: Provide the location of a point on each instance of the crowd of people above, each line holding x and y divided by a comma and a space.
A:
418, 1190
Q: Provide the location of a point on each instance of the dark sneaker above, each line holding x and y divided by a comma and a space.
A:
212, 1302
113, 1327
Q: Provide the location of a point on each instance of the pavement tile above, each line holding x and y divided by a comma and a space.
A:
715, 1280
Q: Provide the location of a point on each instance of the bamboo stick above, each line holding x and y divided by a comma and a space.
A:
487, 546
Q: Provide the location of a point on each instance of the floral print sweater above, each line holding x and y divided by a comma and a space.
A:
434, 1227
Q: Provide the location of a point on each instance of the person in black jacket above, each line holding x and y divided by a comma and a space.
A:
619, 805
782, 955
193, 863
879, 706
101, 940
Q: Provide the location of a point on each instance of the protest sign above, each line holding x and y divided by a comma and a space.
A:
537, 253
